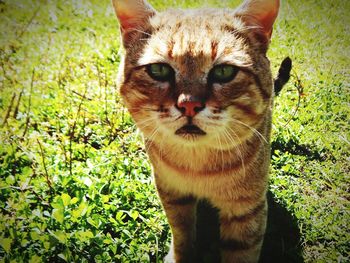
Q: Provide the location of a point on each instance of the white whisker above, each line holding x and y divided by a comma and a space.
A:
142, 109
239, 149
255, 131
246, 28
217, 152
154, 132
222, 153
141, 31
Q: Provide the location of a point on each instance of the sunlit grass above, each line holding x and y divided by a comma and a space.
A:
75, 180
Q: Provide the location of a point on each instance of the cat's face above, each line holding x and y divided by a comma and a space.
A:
196, 77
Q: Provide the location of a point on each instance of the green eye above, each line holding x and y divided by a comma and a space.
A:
222, 73
160, 71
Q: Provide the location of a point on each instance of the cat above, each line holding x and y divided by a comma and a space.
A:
198, 85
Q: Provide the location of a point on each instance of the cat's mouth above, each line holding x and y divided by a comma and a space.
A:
190, 129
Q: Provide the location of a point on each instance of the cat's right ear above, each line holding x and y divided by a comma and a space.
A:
133, 16
260, 13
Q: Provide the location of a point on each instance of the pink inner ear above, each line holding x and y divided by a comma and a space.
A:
132, 14
268, 17
262, 12
267, 22
125, 21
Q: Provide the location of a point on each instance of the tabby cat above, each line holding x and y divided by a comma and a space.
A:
198, 85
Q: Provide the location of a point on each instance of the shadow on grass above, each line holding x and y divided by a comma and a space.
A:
293, 147
281, 243
282, 238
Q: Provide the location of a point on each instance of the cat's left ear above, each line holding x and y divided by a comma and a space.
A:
261, 13
133, 16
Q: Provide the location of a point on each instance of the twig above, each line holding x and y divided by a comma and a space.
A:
29, 104
81, 95
24, 189
72, 131
17, 104
59, 73
25, 27
9, 109
44, 164
85, 137
99, 79
3, 67
62, 142
300, 90
106, 97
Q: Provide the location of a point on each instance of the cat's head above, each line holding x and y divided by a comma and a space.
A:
197, 77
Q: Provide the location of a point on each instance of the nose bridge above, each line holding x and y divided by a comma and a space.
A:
191, 95
191, 68
193, 88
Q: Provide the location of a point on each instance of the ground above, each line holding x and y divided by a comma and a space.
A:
76, 183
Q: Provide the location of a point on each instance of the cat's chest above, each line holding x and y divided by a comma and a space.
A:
194, 161
205, 172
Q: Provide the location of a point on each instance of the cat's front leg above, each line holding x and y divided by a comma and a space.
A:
181, 214
242, 233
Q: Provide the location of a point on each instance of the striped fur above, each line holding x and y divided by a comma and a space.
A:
227, 162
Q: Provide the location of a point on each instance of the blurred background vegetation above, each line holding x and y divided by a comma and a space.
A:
76, 183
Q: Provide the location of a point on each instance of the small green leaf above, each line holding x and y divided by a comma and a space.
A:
85, 235
74, 200
134, 214
57, 203
66, 199
89, 234
46, 245
34, 235
58, 214
105, 198
120, 216
107, 241
60, 236
10, 179
80, 211
92, 222
62, 256
6, 244
35, 259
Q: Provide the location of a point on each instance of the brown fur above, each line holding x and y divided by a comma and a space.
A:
229, 164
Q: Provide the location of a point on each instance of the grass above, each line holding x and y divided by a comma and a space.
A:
75, 181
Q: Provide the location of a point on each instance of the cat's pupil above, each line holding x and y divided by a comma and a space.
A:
160, 71
222, 73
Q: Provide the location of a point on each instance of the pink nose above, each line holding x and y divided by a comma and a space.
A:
188, 105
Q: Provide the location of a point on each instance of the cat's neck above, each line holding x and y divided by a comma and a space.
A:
206, 159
